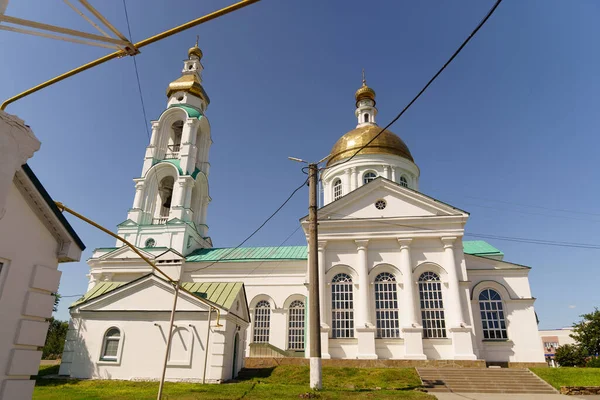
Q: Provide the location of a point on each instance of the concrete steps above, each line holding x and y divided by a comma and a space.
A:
483, 380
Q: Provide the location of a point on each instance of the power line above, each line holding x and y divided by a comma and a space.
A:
534, 206
488, 236
224, 257
481, 23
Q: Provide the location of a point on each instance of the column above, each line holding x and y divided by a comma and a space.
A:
323, 301
393, 173
386, 172
151, 150
462, 339
352, 178
136, 213
187, 153
412, 332
203, 214
365, 330
346, 182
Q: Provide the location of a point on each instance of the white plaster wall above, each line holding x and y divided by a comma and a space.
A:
143, 342
28, 251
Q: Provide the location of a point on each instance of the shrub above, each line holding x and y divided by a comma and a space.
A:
570, 355
593, 362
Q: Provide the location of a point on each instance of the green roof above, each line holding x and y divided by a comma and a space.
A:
248, 254
191, 111
480, 248
177, 164
219, 293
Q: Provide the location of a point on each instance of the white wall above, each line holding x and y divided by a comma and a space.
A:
29, 276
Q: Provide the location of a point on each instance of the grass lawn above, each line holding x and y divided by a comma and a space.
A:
565, 376
284, 382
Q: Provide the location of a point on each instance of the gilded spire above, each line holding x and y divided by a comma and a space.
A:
195, 51
364, 92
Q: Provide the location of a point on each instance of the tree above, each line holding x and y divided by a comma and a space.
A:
587, 332
55, 339
570, 355
56, 301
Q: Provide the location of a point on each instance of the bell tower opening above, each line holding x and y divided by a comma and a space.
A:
165, 196
175, 140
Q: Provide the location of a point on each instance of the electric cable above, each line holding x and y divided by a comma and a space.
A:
477, 28
224, 257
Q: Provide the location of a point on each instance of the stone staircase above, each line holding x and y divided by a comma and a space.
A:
483, 380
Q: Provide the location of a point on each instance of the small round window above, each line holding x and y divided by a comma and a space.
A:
150, 242
380, 204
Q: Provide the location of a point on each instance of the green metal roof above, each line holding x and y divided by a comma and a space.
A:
248, 254
219, 293
177, 164
191, 111
480, 248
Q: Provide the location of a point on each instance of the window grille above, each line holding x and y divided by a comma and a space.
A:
492, 315
262, 322
342, 307
432, 306
111, 345
368, 177
337, 189
386, 306
403, 181
296, 325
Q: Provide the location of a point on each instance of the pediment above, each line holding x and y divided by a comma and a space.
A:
127, 222
399, 202
147, 294
170, 255
125, 252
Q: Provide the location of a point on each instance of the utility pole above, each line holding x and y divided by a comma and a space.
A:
316, 374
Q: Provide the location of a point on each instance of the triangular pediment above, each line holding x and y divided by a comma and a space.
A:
149, 293
398, 202
170, 255
125, 252
127, 222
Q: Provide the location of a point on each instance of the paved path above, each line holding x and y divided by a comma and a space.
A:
486, 396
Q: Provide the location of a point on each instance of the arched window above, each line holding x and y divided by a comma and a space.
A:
337, 189
110, 345
386, 306
432, 306
403, 181
174, 140
366, 116
165, 194
262, 322
342, 306
492, 315
369, 176
296, 325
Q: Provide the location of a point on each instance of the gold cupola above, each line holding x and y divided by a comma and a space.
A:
364, 92
190, 81
195, 51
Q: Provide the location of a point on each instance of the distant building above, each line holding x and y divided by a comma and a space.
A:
35, 237
397, 280
552, 339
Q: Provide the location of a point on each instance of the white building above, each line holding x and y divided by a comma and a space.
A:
552, 339
35, 238
397, 279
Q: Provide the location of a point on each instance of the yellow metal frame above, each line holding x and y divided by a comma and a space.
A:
64, 208
132, 52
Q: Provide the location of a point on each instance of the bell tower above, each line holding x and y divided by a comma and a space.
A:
171, 195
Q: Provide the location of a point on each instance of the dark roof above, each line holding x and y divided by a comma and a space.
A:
61, 218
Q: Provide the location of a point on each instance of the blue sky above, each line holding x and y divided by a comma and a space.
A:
511, 124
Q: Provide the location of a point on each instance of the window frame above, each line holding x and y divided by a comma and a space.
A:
370, 179
337, 184
297, 332
264, 332
403, 183
111, 360
346, 324
433, 316
391, 312
495, 314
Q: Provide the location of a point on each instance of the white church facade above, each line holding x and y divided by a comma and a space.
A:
397, 279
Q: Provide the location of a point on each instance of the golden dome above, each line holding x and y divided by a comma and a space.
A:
386, 143
364, 92
195, 51
188, 83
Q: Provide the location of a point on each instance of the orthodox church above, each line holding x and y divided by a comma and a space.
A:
397, 279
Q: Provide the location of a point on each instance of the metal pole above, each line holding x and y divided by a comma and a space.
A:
316, 375
164, 369
132, 52
206, 345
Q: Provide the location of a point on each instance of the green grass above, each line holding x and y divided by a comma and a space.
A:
565, 376
284, 382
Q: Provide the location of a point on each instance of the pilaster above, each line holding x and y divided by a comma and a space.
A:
187, 154
346, 186
322, 301
352, 178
